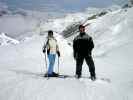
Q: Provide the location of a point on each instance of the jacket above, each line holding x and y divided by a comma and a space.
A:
51, 45
82, 45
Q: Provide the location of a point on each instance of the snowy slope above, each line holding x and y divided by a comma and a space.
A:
21, 77
110, 31
21, 66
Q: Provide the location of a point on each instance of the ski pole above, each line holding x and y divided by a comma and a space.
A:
58, 64
46, 64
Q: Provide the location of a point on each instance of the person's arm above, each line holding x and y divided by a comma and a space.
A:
74, 48
58, 52
45, 46
91, 44
57, 48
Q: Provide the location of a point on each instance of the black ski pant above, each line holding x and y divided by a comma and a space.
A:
89, 61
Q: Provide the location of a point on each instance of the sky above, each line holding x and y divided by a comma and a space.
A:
60, 5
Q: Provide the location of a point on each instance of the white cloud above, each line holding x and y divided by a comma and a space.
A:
16, 24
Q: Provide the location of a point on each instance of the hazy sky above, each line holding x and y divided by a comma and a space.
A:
60, 5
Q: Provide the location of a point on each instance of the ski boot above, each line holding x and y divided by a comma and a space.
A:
93, 78
78, 76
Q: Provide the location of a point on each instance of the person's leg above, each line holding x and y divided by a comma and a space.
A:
91, 65
79, 63
51, 58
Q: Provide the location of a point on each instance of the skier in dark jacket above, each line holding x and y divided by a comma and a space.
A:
82, 48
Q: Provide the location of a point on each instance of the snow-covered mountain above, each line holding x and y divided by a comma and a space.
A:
131, 2
22, 66
111, 30
3, 9
6, 40
30, 22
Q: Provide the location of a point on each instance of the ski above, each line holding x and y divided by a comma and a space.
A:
59, 76
82, 78
106, 80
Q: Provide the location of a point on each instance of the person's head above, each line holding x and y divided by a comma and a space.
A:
81, 28
50, 33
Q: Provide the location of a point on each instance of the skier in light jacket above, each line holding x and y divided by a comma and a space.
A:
52, 49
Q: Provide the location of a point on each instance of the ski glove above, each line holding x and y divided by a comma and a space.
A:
44, 50
58, 53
